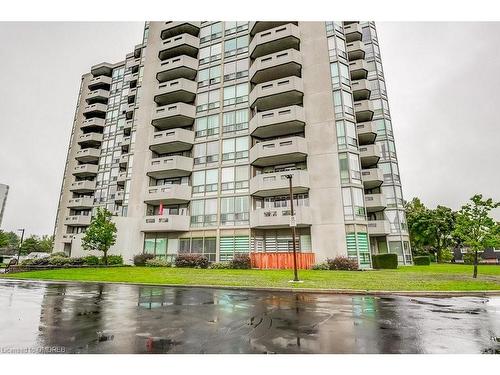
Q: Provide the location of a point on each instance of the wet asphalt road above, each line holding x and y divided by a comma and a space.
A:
104, 318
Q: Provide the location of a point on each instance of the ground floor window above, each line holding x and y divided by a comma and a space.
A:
156, 244
358, 248
231, 245
281, 241
205, 246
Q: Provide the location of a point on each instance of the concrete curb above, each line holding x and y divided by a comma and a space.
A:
409, 293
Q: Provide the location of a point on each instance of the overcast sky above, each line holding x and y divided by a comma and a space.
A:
442, 81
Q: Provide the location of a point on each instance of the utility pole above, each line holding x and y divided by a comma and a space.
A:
21, 244
292, 225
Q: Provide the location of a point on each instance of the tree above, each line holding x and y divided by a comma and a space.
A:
46, 243
9, 239
101, 233
30, 245
430, 229
475, 228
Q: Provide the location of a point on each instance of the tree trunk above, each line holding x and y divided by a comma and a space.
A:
438, 255
105, 257
475, 265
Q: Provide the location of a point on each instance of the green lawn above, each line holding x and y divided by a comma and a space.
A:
444, 277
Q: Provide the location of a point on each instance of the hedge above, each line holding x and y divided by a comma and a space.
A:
385, 261
422, 260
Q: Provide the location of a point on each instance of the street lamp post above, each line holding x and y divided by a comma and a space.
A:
292, 225
20, 244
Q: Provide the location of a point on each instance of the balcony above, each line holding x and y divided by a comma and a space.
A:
81, 203
167, 223
375, 202
272, 184
269, 218
119, 196
90, 139
353, 32
360, 89
372, 178
97, 96
85, 170
88, 155
366, 133
100, 82
184, 44
173, 116
363, 110
260, 26
168, 194
122, 177
68, 237
274, 40
125, 145
178, 90
369, 155
279, 151
278, 93
378, 228
82, 187
174, 28
178, 67
132, 62
95, 110
93, 124
358, 69
278, 122
275, 66
128, 125
170, 166
77, 220
131, 78
102, 69
170, 141
355, 50
123, 160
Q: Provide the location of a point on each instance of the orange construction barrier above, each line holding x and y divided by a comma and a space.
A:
281, 260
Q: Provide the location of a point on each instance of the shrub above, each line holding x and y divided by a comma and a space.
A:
140, 259
220, 266
469, 257
113, 260
61, 254
321, 266
157, 262
91, 260
446, 255
385, 261
36, 262
432, 257
342, 263
241, 262
422, 260
59, 261
191, 260
76, 261
27, 262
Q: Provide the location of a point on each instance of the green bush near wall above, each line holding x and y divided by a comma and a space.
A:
385, 261
422, 260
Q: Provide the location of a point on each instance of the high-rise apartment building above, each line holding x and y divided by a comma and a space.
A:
4, 191
189, 140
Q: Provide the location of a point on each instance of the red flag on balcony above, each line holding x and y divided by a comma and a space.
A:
160, 210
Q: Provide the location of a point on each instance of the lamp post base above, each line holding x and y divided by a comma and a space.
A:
295, 281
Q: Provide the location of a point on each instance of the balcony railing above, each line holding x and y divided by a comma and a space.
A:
274, 184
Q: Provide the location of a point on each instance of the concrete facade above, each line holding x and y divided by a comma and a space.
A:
189, 139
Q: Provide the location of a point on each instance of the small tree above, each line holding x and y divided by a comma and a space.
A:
101, 233
475, 228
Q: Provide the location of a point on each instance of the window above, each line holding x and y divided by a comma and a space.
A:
299, 200
236, 69
346, 135
388, 149
206, 126
205, 181
342, 101
229, 246
340, 74
235, 94
156, 243
383, 127
210, 32
336, 47
235, 120
204, 246
207, 100
349, 168
204, 153
234, 210
354, 206
210, 53
236, 46
235, 179
209, 76
235, 148
232, 27
204, 213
